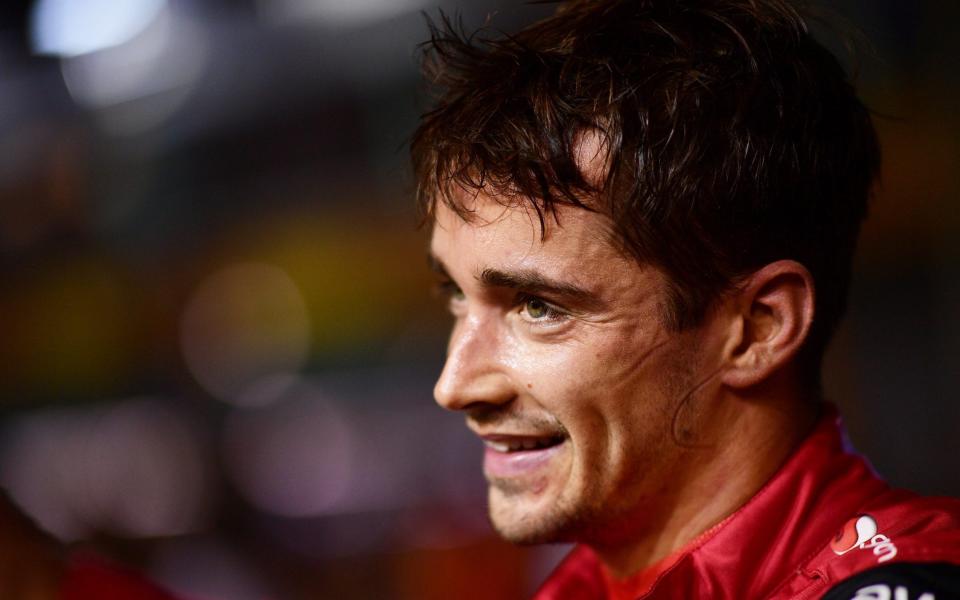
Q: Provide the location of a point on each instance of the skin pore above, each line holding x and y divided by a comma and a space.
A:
601, 425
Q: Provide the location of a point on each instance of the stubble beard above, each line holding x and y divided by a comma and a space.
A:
562, 521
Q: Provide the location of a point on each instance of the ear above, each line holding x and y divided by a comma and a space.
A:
772, 314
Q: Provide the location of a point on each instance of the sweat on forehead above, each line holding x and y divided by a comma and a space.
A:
481, 209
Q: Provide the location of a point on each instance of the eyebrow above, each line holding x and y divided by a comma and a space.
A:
529, 281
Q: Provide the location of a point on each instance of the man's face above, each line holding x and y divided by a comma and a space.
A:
561, 364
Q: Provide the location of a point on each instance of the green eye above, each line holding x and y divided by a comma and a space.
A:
536, 308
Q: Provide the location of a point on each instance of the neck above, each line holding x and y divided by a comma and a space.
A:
750, 437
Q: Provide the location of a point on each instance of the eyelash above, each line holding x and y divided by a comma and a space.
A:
553, 314
450, 291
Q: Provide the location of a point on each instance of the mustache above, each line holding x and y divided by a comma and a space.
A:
508, 417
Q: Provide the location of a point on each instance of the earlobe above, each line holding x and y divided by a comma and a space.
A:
775, 308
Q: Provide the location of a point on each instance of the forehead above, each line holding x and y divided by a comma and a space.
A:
576, 245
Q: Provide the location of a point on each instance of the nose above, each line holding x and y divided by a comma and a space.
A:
474, 373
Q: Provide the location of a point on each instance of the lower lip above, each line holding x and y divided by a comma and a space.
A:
520, 463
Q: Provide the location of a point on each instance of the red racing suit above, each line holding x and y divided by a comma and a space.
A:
823, 518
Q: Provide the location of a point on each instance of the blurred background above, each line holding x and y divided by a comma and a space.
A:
217, 341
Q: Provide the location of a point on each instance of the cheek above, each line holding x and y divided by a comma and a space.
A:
557, 374
621, 360
594, 395
622, 388
599, 383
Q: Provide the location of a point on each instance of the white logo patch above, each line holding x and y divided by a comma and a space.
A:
861, 532
882, 591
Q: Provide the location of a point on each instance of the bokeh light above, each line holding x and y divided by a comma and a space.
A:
295, 458
137, 86
74, 27
137, 469
336, 12
245, 325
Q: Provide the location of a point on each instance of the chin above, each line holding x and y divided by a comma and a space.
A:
528, 521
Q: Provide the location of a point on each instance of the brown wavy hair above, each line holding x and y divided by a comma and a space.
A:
731, 139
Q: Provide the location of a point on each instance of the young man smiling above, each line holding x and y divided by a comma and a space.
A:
644, 214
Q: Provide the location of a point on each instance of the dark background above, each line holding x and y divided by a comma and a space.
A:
217, 342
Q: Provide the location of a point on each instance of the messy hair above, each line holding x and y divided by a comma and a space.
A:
730, 138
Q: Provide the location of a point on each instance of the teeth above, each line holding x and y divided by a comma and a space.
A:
497, 446
520, 444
